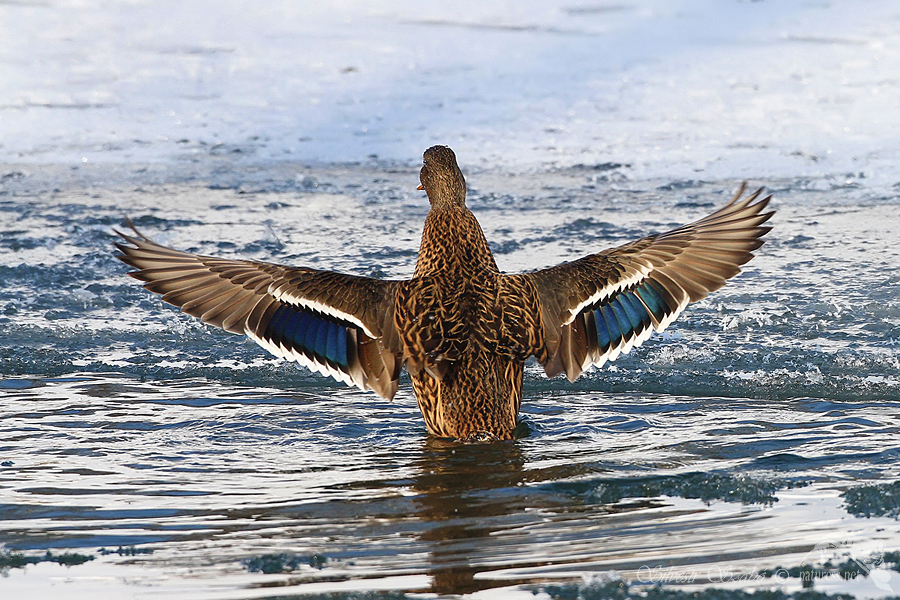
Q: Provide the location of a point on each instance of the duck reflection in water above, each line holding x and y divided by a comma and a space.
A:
461, 501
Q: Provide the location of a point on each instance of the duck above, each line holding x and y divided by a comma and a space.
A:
461, 328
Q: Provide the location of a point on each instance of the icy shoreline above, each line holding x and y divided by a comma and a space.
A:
689, 90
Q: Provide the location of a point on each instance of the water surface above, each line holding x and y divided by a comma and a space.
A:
186, 462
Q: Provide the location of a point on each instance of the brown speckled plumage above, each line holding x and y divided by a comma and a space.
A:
462, 329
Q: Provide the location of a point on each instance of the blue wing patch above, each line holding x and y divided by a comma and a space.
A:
652, 299
626, 315
612, 324
310, 333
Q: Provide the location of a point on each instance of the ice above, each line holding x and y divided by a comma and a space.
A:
675, 90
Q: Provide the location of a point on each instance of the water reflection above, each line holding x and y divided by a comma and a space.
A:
461, 499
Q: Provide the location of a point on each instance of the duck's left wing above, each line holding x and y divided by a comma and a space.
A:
597, 307
333, 323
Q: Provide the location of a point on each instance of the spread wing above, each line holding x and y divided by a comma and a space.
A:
594, 308
329, 322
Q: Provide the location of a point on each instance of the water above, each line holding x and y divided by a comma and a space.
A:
752, 446
187, 463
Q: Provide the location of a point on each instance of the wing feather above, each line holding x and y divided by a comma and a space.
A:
602, 305
333, 323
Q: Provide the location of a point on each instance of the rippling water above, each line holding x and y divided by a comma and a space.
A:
179, 461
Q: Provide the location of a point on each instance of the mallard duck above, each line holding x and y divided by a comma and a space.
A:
462, 329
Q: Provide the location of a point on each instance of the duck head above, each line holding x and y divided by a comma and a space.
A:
441, 178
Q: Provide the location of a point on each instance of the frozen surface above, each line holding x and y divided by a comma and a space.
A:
699, 89
187, 463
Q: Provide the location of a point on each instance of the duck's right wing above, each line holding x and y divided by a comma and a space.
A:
594, 308
339, 325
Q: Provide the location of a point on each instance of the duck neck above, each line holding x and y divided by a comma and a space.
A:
453, 242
